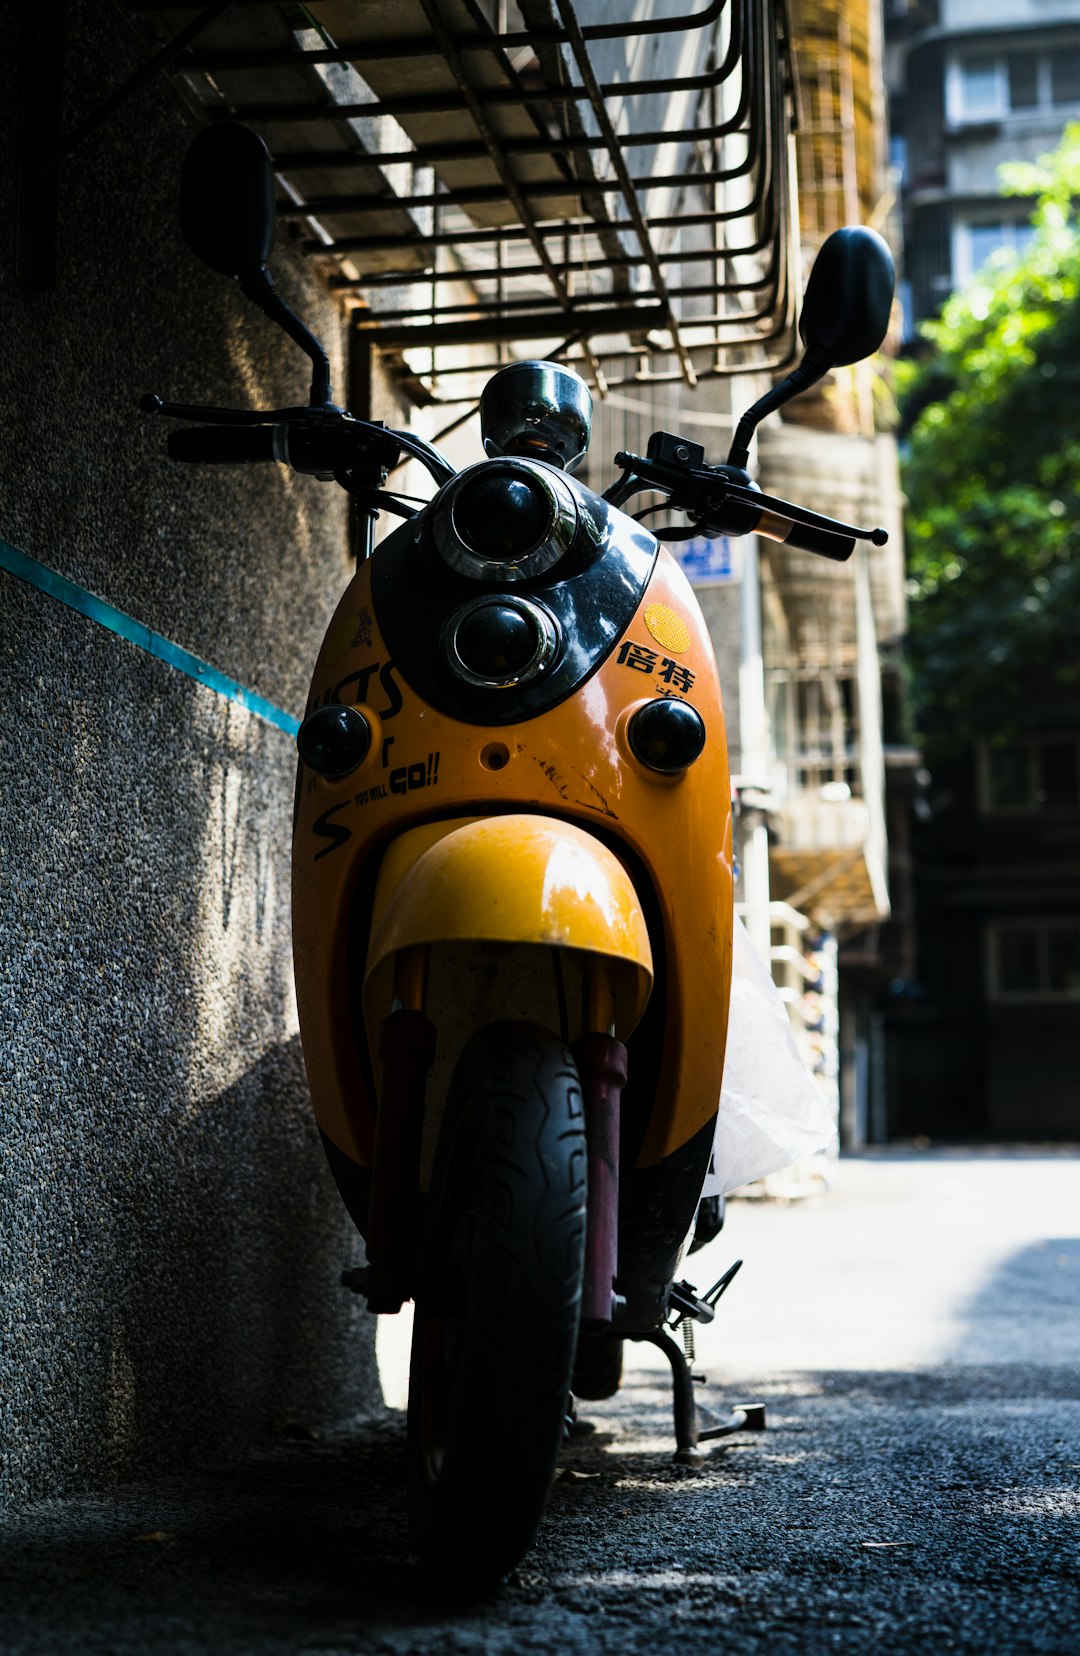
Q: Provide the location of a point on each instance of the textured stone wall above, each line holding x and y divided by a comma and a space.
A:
170, 1239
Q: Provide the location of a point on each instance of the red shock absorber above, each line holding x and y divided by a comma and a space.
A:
601, 1062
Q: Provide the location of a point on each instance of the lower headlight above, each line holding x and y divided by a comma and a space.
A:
498, 642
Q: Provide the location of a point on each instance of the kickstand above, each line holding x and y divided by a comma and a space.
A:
744, 1417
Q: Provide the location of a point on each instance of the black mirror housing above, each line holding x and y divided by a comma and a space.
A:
845, 318
849, 296
227, 210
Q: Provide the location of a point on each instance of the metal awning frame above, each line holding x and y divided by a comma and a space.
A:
638, 316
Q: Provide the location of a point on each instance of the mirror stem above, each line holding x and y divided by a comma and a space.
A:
814, 364
259, 287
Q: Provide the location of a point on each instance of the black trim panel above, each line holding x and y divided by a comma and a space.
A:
592, 592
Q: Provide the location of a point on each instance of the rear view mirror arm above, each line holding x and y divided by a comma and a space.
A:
813, 366
258, 285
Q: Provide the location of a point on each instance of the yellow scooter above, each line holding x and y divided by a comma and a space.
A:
512, 880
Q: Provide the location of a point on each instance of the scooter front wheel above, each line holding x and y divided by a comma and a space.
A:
498, 1302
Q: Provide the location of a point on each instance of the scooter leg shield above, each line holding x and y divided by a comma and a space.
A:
511, 879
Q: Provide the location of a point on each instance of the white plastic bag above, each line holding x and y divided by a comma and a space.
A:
771, 1111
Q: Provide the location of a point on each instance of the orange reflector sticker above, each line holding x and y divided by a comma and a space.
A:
667, 627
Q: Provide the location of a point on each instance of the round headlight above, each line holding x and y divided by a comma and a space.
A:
500, 517
504, 520
500, 642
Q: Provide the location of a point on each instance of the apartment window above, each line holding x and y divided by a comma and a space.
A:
979, 86
1022, 69
1039, 774
1065, 77
977, 239
988, 86
1033, 960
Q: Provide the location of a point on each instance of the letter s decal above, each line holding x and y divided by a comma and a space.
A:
394, 698
335, 832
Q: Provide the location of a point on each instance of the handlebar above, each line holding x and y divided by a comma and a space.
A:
323, 442
225, 445
359, 454
724, 500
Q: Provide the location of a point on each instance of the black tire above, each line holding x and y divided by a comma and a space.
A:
498, 1303
598, 1367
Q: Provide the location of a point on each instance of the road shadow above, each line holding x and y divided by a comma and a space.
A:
1027, 1309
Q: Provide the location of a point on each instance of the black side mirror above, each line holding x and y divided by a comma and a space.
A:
228, 217
845, 318
227, 210
848, 297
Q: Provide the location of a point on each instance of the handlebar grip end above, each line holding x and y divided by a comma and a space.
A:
837, 547
151, 403
879, 536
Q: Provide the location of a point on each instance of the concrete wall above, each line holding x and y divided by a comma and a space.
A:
169, 1237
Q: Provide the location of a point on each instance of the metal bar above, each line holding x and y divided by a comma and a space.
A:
601, 1062
478, 194
754, 48
516, 233
622, 353
239, 61
599, 108
428, 314
544, 325
523, 273
433, 155
767, 363
744, 1417
511, 185
684, 1404
411, 46
728, 289
432, 103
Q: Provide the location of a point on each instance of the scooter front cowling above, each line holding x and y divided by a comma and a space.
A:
572, 761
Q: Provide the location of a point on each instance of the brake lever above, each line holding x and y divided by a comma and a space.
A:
724, 500
151, 403
310, 420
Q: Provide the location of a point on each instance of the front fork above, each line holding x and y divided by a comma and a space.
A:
601, 1062
406, 1050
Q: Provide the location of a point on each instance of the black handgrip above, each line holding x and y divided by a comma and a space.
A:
224, 445
805, 537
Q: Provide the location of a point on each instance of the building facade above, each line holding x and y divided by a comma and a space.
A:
982, 1023
971, 87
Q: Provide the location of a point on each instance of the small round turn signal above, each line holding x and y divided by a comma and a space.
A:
667, 735
333, 740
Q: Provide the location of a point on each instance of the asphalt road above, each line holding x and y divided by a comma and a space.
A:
915, 1335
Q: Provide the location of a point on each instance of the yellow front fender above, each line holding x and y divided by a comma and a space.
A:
509, 879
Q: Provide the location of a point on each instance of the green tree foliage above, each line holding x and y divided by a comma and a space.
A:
992, 476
